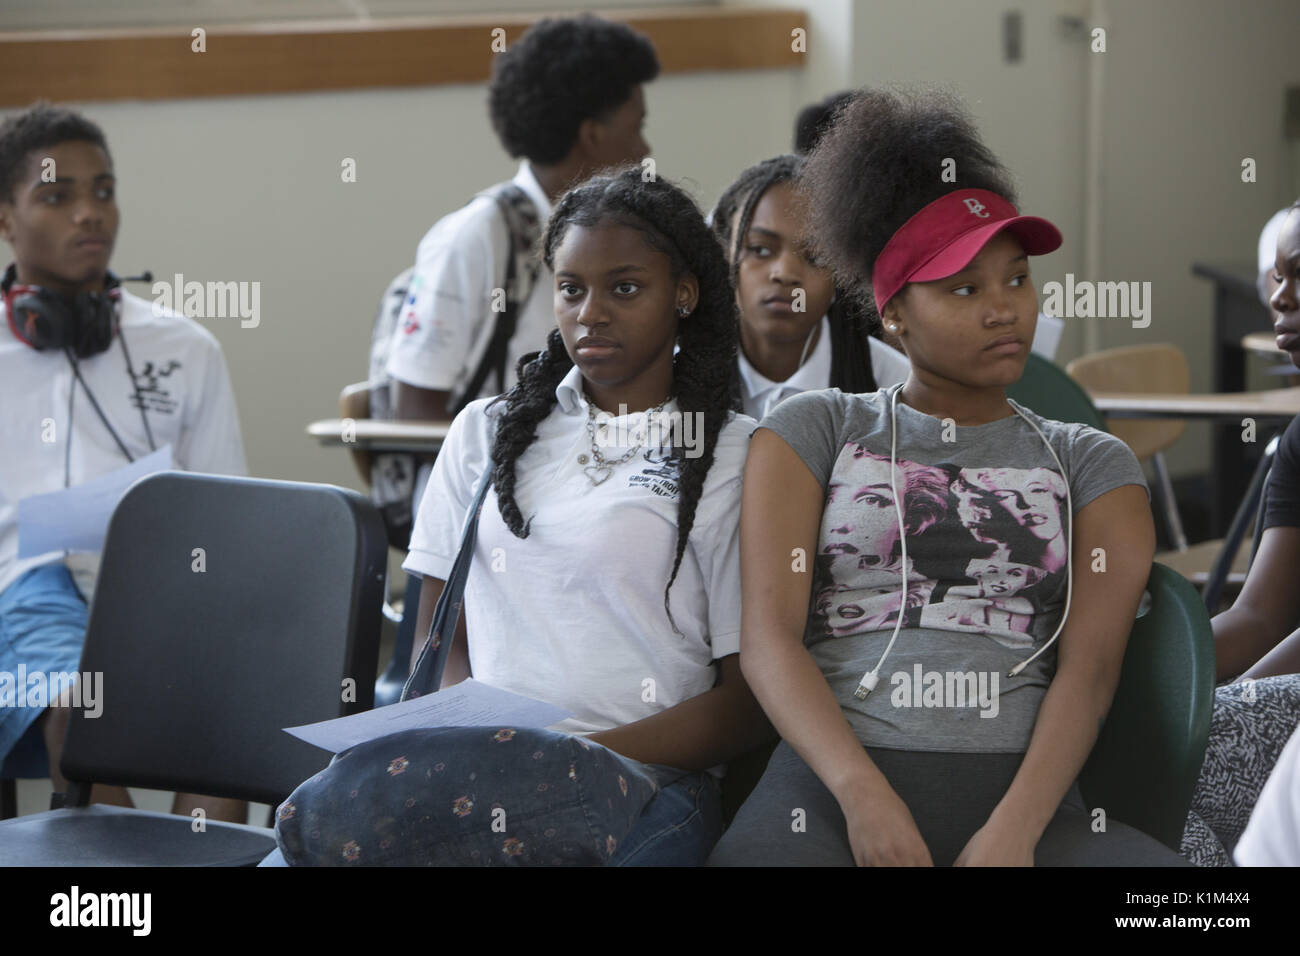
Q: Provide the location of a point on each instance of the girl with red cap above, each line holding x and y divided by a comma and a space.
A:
969, 750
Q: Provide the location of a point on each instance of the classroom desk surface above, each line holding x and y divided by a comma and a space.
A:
1275, 403
369, 434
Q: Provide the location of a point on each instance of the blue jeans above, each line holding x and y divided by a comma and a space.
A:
442, 797
42, 626
679, 826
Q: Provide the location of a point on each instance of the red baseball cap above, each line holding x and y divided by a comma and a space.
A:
944, 236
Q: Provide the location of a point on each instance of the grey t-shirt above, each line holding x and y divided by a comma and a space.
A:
985, 522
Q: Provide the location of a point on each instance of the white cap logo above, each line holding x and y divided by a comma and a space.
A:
976, 208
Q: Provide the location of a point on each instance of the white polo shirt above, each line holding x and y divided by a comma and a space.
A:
186, 390
760, 394
447, 321
573, 614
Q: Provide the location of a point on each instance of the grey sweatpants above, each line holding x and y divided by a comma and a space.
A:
950, 796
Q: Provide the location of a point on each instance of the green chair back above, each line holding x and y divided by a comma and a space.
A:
1046, 389
1148, 756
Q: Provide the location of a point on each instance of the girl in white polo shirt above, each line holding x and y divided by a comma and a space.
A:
605, 576
797, 330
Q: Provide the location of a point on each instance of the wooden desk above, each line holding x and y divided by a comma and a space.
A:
374, 435
1276, 404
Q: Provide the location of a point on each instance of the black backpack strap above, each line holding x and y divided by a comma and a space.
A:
426, 675
524, 228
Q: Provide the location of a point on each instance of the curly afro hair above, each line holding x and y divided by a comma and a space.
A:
705, 374
561, 72
880, 162
40, 126
849, 323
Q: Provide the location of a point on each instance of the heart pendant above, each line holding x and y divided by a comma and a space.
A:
592, 471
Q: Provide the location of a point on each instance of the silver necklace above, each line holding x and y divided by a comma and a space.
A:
601, 467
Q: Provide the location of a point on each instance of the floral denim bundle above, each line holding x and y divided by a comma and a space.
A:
465, 796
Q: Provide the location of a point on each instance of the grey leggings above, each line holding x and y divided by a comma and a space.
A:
950, 796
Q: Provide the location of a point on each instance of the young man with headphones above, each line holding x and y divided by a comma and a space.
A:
91, 379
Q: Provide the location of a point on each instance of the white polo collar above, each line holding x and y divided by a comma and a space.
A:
569, 393
814, 373
572, 399
526, 180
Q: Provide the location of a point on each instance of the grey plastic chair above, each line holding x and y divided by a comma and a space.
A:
204, 663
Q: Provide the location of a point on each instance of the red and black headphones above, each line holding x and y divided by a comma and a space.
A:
44, 319
79, 326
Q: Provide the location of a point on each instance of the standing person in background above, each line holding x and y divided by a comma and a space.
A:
568, 98
105, 374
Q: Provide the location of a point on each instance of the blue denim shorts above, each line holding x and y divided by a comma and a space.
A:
42, 626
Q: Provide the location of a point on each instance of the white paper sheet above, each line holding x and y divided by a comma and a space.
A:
76, 519
1047, 335
467, 704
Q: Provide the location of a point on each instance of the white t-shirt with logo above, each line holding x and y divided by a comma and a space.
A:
447, 320
182, 380
574, 613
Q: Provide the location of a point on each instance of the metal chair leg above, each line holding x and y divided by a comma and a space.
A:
1248, 510
1173, 522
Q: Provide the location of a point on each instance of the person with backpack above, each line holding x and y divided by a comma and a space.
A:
566, 98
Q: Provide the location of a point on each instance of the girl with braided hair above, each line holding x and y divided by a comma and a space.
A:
605, 577
797, 330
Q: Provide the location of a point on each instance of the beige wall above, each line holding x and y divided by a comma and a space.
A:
250, 190
1190, 88
1028, 112
1194, 88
